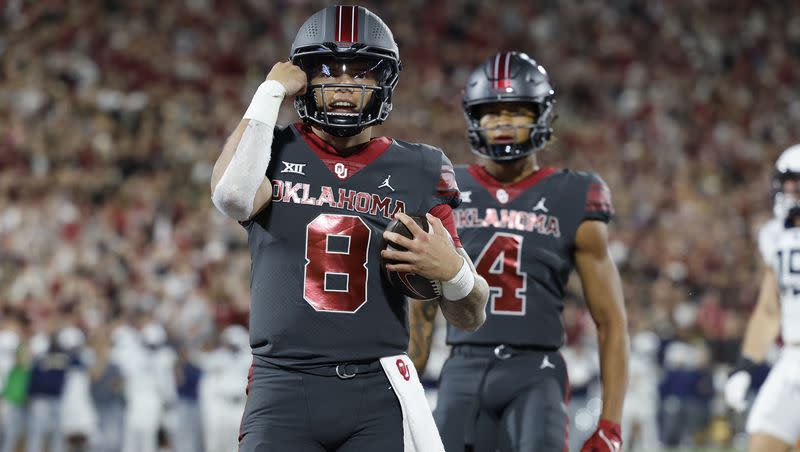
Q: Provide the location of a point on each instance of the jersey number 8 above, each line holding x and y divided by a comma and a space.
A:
336, 263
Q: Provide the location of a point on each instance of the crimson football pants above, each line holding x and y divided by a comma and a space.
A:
512, 404
288, 410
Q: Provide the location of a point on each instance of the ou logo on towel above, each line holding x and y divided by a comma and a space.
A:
403, 368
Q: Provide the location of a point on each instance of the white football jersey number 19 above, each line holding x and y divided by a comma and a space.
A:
787, 270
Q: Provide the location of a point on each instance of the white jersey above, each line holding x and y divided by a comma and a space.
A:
780, 248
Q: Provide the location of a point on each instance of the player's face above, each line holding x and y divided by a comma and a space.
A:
791, 186
507, 122
360, 73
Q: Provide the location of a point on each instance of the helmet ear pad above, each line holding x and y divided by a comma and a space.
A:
540, 138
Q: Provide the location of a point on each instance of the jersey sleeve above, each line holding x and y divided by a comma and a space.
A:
447, 188
597, 204
766, 243
445, 213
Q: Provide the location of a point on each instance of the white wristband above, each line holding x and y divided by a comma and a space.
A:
461, 284
266, 103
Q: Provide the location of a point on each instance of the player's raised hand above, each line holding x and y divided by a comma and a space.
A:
430, 254
292, 78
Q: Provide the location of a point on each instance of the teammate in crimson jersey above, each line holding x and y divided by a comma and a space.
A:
321, 316
526, 227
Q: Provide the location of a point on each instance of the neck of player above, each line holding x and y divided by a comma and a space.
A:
511, 172
344, 145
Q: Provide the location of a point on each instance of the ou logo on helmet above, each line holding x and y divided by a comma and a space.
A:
340, 170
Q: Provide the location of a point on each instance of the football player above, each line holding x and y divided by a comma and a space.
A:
315, 199
771, 424
526, 227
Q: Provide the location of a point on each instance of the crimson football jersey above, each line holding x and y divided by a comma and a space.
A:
317, 291
521, 238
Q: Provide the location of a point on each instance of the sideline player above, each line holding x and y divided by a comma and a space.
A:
321, 317
526, 227
774, 423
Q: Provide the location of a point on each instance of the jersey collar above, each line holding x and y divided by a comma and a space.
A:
505, 193
355, 159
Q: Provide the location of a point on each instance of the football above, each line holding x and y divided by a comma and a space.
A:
410, 284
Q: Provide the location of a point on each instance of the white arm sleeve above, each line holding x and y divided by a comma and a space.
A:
236, 189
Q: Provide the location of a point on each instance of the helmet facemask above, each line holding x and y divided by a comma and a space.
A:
540, 131
786, 193
347, 91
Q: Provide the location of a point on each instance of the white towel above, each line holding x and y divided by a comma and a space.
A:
419, 431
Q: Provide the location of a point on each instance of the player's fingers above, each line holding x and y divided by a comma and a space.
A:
402, 256
301, 76
407, 268
436, 224
410, 224
398, 239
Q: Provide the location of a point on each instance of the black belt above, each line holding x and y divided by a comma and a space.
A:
501, 351
496, 353
344, 371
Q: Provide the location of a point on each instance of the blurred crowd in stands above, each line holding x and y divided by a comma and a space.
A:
115, 268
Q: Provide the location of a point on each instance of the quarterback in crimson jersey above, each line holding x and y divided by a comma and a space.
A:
526, 227
328, 333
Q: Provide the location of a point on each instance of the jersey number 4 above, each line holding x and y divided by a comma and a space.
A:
499, 264
336, 263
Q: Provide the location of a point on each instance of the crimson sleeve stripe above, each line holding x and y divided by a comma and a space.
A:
447, 180
445, 213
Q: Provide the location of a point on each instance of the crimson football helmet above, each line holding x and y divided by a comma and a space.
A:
346, 40
509, 77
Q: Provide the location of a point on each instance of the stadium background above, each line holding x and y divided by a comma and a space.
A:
112, 114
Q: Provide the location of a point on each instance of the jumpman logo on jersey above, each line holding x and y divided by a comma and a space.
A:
540, 206
546, 363
385, 183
